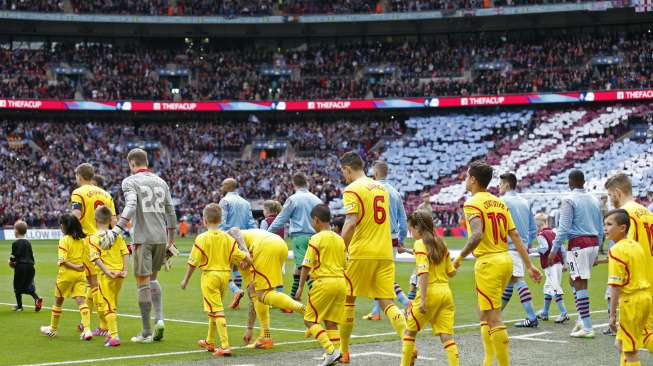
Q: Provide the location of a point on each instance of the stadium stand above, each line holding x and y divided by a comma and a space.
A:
231, 8
465, 64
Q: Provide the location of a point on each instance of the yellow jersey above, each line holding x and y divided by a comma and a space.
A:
438, 273
254, 237
73, 251
625, 267
495, 218
369, 200
325, 255
215, 250
113, 257
86, 199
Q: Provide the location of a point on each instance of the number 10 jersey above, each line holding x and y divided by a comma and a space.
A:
370, 200
148, 206
496, 220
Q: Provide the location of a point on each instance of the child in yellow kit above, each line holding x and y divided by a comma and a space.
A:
629, 287
433, 304
71, 279
325, 262
214, 253
113, 266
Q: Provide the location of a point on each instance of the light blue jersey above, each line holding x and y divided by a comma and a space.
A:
236, 212
520, 210
398, 221
297, 209
580, 215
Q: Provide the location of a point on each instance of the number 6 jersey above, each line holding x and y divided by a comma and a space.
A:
496, 220
148, 206
370, 200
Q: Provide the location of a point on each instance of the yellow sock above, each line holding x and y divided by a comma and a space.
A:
112, 323
347, 327
499, 338
54, 320
334, 337
282, 301
488, 358
407, 349
263, 315
90, 297
396, 318
101, 314
86, 316
221, 323
321, 335
213, 328
452, 352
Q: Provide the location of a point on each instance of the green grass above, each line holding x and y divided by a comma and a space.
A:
27, 346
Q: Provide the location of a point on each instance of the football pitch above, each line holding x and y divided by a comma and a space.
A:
372, 341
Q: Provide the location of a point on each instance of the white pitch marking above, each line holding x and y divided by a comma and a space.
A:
376, 353
529, 337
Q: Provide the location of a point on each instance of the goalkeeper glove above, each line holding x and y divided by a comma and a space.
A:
172, 252
109, 237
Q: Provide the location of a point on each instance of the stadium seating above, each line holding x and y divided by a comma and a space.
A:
434, 66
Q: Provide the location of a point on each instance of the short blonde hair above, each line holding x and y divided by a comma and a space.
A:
85, 170
272, 206
621, 182
103, 215
212, 213
541, 218
138, 157
20, 227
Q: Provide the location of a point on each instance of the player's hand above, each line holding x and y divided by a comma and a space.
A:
552, 256
131, 248
244, 264
613, 323
184, 284
422, 308
122, 274
401, 249
12, 264
109, 237
112, 274
79, 267
456, 262
247, 338
564, 268
535, 273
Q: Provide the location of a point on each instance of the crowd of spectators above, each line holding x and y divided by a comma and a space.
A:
38, 158
232, 8
558, 61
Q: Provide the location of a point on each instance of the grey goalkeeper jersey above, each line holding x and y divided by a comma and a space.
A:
148, 206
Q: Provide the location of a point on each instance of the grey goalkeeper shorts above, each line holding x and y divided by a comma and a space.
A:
148, 258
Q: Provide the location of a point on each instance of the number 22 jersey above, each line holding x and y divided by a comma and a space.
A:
370, 200
496, 220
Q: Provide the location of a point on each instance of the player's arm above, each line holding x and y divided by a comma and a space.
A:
282, 217
125, 265
171, 218
238, 237
251, 318
403, 224
131, 201
618, 275
476, 228
303, 275
76, 205
615, 293
532, 229
348, 228
194, 260
226, 214
353, 209
103, 268
189, 272
523, 252
564, 224
422, 284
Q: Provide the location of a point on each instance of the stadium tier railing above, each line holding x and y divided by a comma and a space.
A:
327, 18
330, 105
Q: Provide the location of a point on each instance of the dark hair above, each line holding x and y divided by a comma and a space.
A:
421, 220
71, 226
576, 178
99, 180
621, 217
21, 227
510, 178
299, 179
482, 171
103, 215
321, 212
338, 222
352, 160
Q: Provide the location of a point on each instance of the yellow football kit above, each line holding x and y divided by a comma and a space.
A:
113, 260
71, 283
214, 253
86, 199
269, 253
627, 270
325, 258
439, 300
370, 268
493, 267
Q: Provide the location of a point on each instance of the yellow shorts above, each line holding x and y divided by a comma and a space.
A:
90, 269
214, 284
269, 258
439, 311
634, 310
649, 322
70, 284
373, 278
326, 300
109, 289
492, 273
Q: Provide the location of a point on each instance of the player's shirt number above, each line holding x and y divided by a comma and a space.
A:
153, 199
499, 226
379, 211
